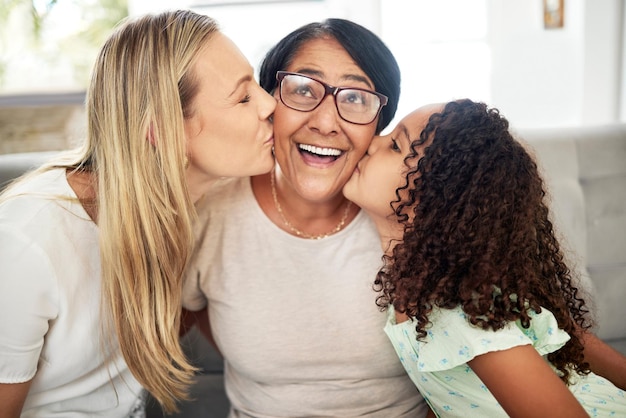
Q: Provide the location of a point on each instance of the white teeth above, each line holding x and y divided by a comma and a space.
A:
320, 151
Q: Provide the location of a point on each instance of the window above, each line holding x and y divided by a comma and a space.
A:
49, 46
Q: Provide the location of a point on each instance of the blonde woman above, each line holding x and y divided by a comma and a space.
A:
93, 244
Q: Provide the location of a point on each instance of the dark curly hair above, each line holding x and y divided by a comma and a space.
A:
477, 233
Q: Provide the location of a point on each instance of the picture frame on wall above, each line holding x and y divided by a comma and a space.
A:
553, 14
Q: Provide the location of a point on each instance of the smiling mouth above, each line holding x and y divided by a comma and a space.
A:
326, 154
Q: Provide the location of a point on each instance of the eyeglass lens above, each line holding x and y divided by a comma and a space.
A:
305, 94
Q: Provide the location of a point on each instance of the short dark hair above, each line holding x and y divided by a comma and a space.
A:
366, 49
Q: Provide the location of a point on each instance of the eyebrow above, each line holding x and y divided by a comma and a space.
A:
346, 77
406, 133
242, 80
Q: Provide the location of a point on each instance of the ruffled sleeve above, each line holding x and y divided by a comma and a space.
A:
453, 341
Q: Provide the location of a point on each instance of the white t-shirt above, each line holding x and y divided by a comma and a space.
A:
50, 322
295, 319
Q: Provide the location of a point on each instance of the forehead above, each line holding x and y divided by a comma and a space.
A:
326, 59
220, 65
416, 120
220, 50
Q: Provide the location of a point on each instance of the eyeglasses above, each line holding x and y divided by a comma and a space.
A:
303, 93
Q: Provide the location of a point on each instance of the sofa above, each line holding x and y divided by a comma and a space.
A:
585, 173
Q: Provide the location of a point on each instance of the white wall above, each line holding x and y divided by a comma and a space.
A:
603, 72
442, 49
622, 69
537, 74
559, 77
492, 50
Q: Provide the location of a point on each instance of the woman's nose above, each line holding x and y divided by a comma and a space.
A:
268, 104
325, 117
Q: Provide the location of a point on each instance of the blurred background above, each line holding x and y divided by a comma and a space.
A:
544, 63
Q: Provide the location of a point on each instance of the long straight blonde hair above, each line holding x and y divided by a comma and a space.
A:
141, 90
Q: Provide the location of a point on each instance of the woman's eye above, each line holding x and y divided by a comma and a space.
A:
246, 99
394, 145
355, 97
304, 91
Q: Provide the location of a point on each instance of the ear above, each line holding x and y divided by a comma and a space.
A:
151, 138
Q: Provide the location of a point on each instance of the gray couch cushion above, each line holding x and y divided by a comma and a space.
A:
14, 165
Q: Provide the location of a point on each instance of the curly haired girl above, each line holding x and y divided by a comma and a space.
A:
474, 279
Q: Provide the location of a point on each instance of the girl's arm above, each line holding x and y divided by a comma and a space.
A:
525, 385
604, 360
430, 413
12, 397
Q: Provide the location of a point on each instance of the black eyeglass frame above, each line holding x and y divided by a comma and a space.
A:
329, 90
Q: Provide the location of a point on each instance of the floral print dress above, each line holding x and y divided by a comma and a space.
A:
438, 366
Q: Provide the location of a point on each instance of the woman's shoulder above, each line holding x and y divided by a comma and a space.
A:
41, 204
35, 192
227, 201
225, 191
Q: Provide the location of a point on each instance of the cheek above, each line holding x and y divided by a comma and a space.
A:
360, 138
193, 126
205, 137
389, 183
379, 192
285, 121
386, 177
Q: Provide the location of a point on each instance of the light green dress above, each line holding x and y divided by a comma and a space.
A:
439, 369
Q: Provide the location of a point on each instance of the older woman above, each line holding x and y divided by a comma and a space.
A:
285, 262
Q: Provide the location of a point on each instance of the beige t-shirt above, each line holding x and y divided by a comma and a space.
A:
295, 319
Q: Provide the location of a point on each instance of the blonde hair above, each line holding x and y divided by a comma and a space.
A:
141, 90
